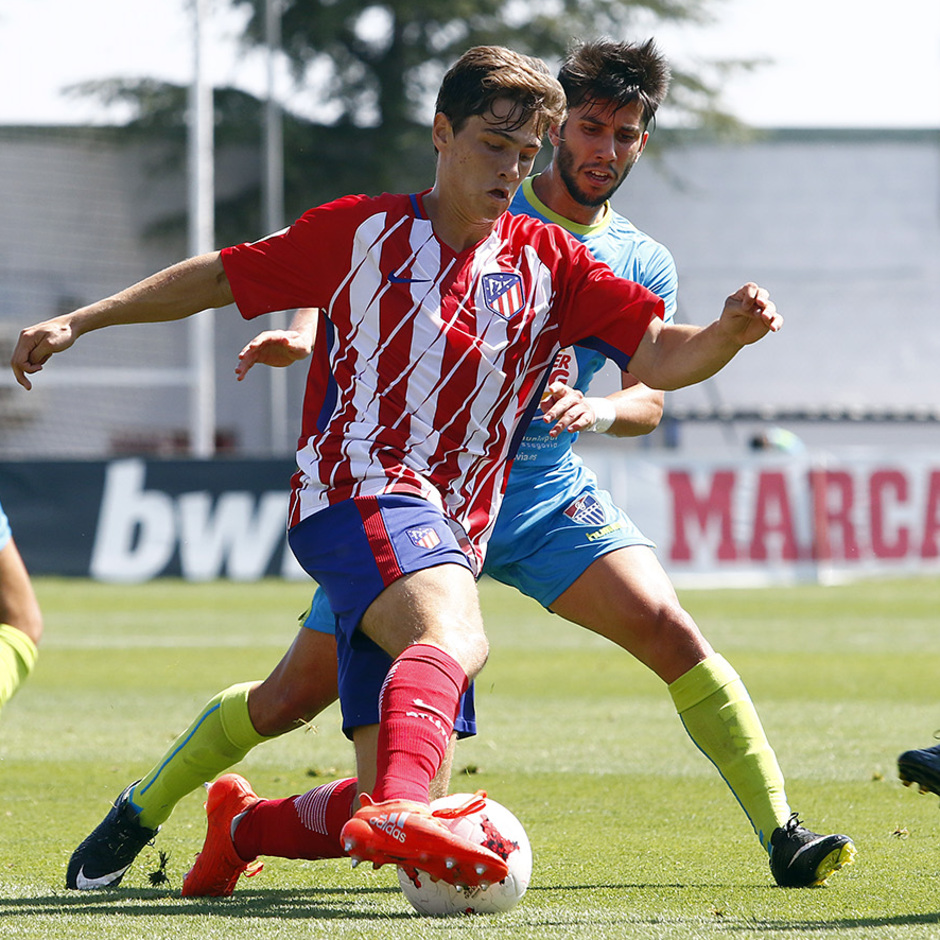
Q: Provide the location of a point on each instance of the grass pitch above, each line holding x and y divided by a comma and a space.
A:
634, 834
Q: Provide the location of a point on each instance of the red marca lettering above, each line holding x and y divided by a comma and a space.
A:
881, 513
773, 517
714, 508
929, 548
887, 486
833, 502
891, 493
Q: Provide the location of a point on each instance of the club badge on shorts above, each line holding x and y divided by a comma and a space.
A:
503, 294
423, 537
587, 510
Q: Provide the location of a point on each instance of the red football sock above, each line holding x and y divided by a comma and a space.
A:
417, 710
306, 826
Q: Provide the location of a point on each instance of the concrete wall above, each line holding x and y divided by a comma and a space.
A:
842, 227
85, 214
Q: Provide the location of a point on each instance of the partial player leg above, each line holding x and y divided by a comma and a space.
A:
20, 621
430, 621
238, 719
18, 655
241, 827
366, 740
719, 716
302, 685
626, 596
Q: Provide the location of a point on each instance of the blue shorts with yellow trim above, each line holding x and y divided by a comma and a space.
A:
554, 522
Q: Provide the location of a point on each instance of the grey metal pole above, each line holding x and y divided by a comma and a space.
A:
201, 192
273, 210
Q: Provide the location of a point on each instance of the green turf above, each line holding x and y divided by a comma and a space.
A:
633, 833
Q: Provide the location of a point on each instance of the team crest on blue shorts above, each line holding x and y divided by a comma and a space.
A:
503, 294
424, 537
587, 510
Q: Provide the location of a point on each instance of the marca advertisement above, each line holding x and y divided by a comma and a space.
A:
751, 520
774, 520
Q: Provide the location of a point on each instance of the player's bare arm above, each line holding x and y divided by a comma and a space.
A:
281, 348
675, 355
634, 410
639, 408
172, 294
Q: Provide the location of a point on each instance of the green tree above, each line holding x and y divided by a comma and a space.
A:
375, 66
383, 61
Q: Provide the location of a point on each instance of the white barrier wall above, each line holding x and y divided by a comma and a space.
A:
780, 519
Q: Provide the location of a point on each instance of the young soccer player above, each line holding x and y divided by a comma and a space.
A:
445, 314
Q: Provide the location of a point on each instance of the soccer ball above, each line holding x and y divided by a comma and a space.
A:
496, 828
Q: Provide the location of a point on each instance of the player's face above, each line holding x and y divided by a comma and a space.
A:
486, 160
596, 148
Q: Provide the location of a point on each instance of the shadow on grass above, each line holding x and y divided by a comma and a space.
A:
346, 904
836, 923
752, 925
635, 885
287, 904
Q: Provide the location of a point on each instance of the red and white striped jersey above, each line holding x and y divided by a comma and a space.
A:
436, 359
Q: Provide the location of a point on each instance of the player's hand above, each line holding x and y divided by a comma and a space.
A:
566, 409
279, 348
37, 343
749, 314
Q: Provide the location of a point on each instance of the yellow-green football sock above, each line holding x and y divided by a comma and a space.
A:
18, 656
720, 718
220, 737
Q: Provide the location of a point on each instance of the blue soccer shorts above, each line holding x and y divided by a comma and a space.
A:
554, 522
354, 550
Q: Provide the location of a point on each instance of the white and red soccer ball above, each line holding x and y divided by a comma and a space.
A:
498, 829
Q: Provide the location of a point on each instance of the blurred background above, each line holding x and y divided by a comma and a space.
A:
799, 147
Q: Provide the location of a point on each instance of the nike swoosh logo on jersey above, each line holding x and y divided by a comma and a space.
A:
395, 279
88, 884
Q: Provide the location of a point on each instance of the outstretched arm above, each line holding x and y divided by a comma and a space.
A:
281, 348
675, 355
172, 294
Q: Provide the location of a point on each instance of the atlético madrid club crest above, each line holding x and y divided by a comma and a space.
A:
587, 510
503, 294
424, 537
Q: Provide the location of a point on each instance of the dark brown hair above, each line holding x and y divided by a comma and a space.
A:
485, 73
616, 74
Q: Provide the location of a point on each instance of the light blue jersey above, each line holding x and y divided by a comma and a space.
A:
630, 254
